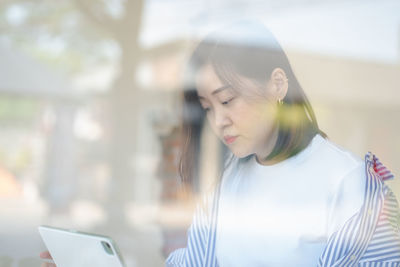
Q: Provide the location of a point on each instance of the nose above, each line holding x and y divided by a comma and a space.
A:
221, 118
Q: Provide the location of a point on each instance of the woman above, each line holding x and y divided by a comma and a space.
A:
288, 195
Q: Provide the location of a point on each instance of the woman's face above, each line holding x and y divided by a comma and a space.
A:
244, 121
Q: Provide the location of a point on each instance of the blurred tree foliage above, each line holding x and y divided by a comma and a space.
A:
17, 110
59, 32
76, 35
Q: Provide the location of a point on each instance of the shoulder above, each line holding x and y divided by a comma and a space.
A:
351, 184
338, 163
349, 169
339, 155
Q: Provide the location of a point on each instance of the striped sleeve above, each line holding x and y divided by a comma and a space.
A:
201, 239
385, 243
384, 247
370, 237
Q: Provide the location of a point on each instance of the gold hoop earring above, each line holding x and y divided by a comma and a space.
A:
280, 102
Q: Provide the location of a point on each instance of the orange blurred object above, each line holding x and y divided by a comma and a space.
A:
9, 187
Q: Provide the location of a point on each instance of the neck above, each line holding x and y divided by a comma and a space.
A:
267, 149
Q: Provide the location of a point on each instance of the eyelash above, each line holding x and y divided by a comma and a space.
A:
223, 103
228, 101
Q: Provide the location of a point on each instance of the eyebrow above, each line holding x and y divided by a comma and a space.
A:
216, 91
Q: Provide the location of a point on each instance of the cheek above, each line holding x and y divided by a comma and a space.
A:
255, 118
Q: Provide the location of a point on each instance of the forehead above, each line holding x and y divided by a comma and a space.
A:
207, 80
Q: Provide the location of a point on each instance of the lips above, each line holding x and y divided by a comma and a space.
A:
229, 139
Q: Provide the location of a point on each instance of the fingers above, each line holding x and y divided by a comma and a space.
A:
45, 255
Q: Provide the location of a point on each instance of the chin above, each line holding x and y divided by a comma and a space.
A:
240, 154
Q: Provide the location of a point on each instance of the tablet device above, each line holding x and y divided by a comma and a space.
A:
70, 248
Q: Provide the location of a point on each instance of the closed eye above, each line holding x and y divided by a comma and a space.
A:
227, 101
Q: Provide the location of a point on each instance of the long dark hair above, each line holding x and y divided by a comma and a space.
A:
247, 49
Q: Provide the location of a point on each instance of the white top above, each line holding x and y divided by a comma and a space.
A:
283, 214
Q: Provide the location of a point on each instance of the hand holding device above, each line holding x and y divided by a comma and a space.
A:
72, 248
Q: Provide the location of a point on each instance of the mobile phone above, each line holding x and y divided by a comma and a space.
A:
70, 248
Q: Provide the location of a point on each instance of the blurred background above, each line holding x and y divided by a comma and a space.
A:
90, 107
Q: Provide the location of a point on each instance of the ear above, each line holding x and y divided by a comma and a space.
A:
279, 83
